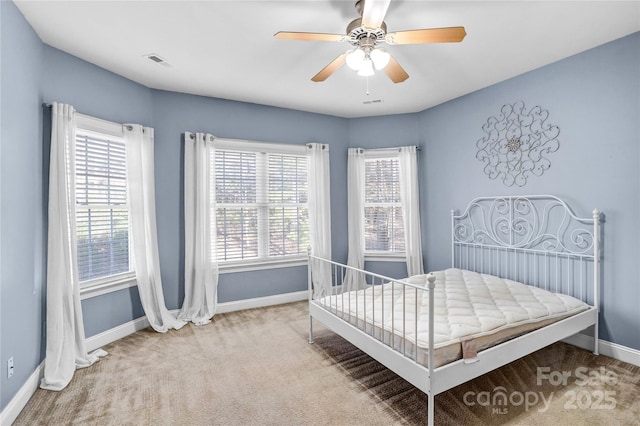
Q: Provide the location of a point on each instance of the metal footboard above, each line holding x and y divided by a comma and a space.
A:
373, 312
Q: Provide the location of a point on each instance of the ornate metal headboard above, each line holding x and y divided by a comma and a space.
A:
535, 239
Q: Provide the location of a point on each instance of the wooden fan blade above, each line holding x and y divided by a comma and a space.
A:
330, 69
373, 13
289, 35
396, 73
428, 35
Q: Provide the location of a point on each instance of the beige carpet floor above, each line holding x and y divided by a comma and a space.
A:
255, 367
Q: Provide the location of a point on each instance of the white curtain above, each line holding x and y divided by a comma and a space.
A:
142, 216
355, 216
408, 162
200, 265
320, 215
65, 348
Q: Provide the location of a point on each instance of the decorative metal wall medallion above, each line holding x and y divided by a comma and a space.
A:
516, 144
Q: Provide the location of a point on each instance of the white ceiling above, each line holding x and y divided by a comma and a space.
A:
226, 49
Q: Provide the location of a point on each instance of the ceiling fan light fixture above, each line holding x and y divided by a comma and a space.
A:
367, 68
355, 59
380, 58
365, 34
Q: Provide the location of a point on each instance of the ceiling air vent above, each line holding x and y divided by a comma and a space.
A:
157, 59
373, 101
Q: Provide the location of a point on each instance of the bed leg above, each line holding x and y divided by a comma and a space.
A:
310, 329
431, 408
431, 279
596, 340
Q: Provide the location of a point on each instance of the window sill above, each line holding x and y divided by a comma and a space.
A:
256, 265
385, 257
103, 286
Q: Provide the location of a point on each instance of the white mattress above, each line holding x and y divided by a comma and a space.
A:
467, 305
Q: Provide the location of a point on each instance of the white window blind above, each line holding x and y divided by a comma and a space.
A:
237, 208
101, 206
288, 214
261, 205
383, 222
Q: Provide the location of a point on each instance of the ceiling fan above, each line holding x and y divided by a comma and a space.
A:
365, 34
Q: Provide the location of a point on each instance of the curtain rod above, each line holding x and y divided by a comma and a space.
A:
323, 145
46, 105
391, 148
126, 126
192, 136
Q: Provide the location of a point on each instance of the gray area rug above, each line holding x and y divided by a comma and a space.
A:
255, 367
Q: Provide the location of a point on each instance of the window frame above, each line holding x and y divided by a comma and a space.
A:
255, 264
98, 286
379, 255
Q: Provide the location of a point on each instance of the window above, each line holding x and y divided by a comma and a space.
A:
261, 204
102, 217
383, 218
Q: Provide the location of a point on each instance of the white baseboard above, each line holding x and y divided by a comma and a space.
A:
613, 350
261, 302
116, 333
18, 402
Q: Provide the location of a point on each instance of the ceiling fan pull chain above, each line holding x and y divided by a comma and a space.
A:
368, 86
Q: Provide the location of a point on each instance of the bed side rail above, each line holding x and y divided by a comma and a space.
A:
388, 310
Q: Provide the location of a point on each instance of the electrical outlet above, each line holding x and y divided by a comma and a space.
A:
9, 368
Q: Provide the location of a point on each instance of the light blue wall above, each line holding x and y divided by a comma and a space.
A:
384, 132
594, 98
175, 113
93, 90
33, 73
97, 92
22, 216
100, 93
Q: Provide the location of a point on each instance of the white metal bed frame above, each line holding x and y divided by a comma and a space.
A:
534, 239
